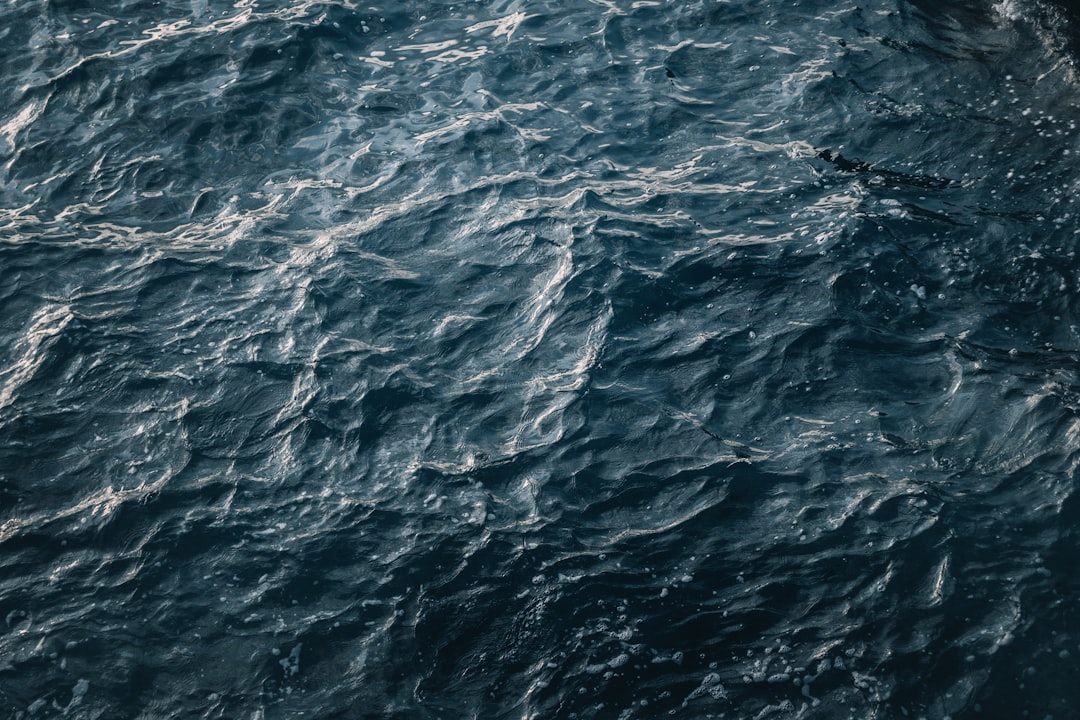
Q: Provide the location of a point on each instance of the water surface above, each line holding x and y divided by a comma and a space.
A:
531, 359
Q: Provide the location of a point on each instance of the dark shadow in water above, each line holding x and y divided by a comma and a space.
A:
846, 165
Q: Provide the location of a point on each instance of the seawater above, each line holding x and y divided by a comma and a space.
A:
532, 359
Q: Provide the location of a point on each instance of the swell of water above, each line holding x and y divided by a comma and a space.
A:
590, 359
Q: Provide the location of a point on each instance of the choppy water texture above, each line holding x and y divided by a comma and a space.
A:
536, 359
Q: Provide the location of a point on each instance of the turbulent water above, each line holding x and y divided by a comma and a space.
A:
539, 359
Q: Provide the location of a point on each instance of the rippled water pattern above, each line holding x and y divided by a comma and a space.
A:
528, 359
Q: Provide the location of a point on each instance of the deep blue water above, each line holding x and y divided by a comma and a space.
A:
539, 359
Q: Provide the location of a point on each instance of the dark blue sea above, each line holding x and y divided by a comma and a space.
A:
539, 359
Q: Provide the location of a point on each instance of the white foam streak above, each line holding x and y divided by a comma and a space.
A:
548, 396
99, 504
428, 47
19, 122
501, 26
498, 114
47, 323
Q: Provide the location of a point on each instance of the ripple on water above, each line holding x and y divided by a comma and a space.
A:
601, 360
